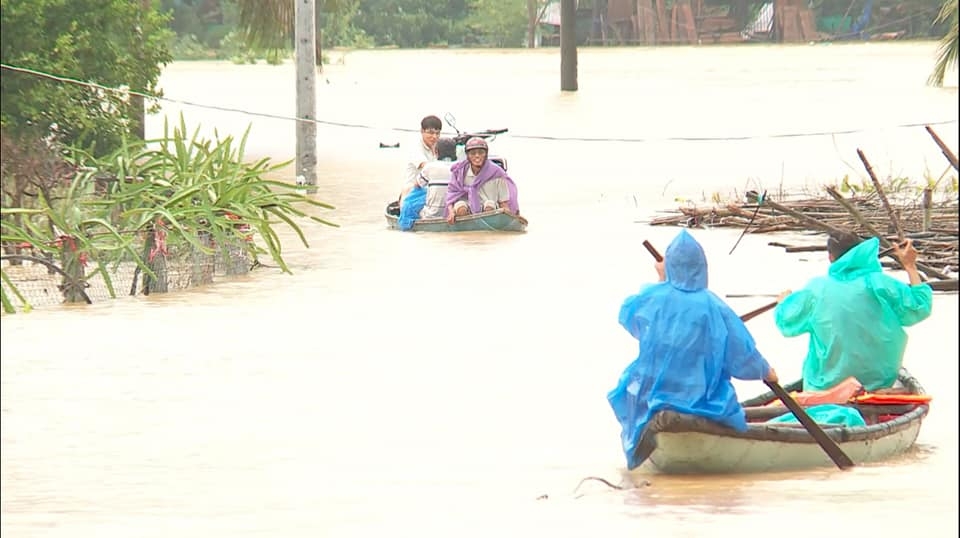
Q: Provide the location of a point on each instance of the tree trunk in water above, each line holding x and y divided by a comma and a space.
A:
568, 45
158, 281
531, 23
73, 280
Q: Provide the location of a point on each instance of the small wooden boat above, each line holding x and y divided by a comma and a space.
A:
499, 220
684, 444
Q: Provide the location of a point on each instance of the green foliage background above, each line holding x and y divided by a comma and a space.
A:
421, 23
110, 42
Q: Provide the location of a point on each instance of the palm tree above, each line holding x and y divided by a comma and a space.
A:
269, 24
947, 51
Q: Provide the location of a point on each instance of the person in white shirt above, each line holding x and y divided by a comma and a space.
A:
434, 176
424, 152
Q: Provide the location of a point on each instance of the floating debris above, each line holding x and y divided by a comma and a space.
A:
913, 214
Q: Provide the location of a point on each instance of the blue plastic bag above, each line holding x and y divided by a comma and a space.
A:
411, 206
826, 414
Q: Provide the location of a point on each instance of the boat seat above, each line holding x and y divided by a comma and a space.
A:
764, 413
393, 208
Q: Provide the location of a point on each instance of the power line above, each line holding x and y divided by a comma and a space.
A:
126, 92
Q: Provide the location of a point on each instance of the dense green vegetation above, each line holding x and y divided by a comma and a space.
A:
209, 28
114, 43
80, 190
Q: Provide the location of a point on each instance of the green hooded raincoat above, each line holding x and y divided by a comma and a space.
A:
855, 317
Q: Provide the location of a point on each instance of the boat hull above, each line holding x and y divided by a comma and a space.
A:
682, 444
700, 453
490, 221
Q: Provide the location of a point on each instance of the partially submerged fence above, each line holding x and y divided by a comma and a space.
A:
34, 280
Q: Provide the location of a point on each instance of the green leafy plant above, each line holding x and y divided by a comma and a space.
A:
196, 193
193, 186
947, 50
70, 227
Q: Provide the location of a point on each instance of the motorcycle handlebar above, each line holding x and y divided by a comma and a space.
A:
489, 133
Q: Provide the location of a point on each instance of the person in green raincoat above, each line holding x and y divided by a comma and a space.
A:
855, 315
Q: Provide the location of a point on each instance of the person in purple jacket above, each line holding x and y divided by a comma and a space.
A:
477, 184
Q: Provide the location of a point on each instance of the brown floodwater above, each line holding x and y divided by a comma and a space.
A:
454, 384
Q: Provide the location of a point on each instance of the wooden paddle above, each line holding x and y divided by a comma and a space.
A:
653, 252
754, 313
826, 443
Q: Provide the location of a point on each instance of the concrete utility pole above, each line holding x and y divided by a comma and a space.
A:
305, 37
568, 45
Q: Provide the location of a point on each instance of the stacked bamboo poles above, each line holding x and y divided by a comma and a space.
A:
932, 226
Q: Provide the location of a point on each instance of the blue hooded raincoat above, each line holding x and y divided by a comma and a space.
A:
691, 344
854, 317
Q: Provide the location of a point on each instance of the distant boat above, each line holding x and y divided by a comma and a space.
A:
499, 220
684, 444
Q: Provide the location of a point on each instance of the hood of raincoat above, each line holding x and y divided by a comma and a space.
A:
685, 263
858, 261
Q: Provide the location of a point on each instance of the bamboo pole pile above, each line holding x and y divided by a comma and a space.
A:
931, 224
938, 218
932, 227
941, 217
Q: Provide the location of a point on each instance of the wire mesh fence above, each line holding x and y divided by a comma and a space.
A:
34, 280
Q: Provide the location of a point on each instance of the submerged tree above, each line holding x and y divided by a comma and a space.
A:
947, 51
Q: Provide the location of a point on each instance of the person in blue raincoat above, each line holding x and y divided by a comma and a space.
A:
855, 315
690, 345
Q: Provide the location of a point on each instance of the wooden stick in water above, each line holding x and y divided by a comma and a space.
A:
855, 213
809, 221
883, 197
943, 147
